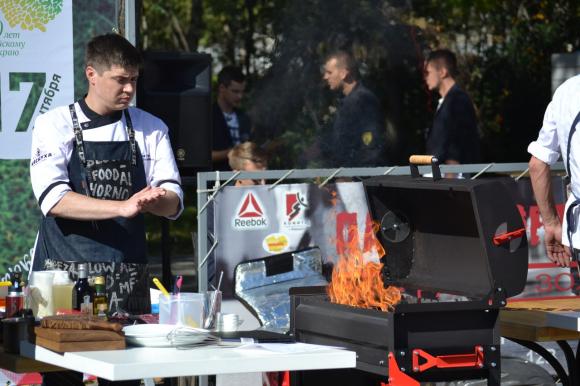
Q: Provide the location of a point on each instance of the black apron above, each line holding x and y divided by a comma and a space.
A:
114, 248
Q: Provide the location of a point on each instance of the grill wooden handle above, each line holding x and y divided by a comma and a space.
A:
422, 159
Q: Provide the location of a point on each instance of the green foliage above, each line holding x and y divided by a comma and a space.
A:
19, 213
292, 103
164, 24
505, 48
90, 18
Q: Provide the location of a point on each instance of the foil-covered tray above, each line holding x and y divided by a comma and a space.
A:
263, 284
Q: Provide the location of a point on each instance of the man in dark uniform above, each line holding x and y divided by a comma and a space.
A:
358, 132
97, 165
231, 126
453, 137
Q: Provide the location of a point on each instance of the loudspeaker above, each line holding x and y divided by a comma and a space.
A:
176, 87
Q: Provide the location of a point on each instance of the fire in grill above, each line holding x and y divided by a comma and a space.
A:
460, 240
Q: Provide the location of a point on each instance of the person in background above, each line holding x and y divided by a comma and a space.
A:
248, 157
558, 138
358, 132
231, 126
96, 167
453, 137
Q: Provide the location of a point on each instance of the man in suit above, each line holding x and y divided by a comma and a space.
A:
453, 137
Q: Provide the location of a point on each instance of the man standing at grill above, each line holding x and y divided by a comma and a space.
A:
358, 132
453, 136
97, 165
557, 138
231, 126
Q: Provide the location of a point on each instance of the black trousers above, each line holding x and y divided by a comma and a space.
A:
73, 378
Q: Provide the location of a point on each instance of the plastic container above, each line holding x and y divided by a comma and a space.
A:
41, 293
62, 291
184, 309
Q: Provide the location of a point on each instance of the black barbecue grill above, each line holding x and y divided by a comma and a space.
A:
461, 242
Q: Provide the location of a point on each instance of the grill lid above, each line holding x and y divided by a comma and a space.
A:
455, 236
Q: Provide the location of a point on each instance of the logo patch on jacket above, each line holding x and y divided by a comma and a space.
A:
367, 137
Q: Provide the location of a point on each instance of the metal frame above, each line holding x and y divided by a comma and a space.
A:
206, 193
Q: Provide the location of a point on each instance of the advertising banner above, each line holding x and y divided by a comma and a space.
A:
259, 221
36, 73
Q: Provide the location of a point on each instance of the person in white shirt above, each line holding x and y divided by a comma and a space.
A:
96, 166
557, 138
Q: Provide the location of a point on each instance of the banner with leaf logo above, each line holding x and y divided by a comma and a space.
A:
36, 72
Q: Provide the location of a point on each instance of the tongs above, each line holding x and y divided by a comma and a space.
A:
213, 304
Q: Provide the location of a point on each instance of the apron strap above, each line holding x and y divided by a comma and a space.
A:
80, 148
570, 217
131, 136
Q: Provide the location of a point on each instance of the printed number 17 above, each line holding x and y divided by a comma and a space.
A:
38, 80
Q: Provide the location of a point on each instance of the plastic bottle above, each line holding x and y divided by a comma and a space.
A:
62, 291
82, 292
100, 302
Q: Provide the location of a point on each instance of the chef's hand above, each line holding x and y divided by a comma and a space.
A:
557, 252
140, 201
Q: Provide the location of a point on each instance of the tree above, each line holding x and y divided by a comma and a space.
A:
505, 48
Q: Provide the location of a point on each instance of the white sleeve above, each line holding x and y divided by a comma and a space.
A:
547, 147
48, 162
164, 172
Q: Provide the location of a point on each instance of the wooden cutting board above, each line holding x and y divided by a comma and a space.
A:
566, 304
80, 346
67, 335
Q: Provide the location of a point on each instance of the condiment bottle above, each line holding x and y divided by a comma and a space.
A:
62, 291
15, 297
82, 292
100, 302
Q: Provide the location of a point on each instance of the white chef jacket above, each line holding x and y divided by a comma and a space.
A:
553, 141
53, 143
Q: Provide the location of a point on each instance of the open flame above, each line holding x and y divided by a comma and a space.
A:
358, 283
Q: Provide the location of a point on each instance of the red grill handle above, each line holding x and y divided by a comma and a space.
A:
508, 236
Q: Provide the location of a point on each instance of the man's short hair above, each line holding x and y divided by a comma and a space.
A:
247, 151
444, 58
106, 51
345, 60
229, 74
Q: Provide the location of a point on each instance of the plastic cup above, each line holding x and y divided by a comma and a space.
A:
184, 309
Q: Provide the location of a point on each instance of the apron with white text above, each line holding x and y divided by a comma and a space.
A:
115, 248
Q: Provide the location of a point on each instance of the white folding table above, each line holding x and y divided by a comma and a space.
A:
148, 362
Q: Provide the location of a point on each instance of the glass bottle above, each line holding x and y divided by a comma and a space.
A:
100, 302
83, 293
